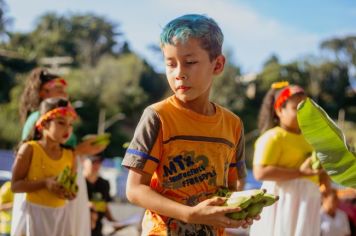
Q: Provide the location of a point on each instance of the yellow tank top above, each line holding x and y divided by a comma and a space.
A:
41, 167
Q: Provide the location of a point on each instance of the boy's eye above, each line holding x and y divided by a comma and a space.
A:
169, 64
191, 62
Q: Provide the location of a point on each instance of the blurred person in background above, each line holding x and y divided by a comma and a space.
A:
334, 222
6, 202
40, 85
347, 203
40, 159
98, 194
282, 160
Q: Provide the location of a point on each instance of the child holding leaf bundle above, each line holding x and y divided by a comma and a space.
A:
37, 165
185, 147
41, 84
282, 160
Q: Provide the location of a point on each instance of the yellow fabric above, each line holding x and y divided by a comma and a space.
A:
42, 166
6, 196
192, 155
278, 147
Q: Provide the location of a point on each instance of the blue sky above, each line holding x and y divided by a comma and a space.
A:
254, 29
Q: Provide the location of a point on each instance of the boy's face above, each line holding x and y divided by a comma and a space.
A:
189, 70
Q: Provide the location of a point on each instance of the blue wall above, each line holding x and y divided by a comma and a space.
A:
6, 159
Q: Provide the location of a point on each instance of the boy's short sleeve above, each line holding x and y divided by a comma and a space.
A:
145, 148
238, 164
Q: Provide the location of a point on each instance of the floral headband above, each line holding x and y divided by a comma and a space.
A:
54, 82
286, 92
55, 113
51, 84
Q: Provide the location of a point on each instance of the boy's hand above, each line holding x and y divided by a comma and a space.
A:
306, 170
210, 212
249, 221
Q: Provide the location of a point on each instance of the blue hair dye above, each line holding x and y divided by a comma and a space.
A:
200, 27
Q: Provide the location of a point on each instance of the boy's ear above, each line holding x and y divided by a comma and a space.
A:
219, 64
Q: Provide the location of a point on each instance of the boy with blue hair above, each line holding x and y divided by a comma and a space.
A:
186, 147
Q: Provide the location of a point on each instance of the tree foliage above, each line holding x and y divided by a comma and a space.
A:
5, 20
225, 90
86, 38
118, 85
106, 75
344, 49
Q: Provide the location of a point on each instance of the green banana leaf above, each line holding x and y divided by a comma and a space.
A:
329, 143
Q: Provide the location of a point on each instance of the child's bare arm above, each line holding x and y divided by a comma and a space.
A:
6, 206
209, 212
20, 169
276, 173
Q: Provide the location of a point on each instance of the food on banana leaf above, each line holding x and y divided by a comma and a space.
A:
255, 209
251, 202
68, 180
100, 139
240, 215
222, 192
315, 162
268, 199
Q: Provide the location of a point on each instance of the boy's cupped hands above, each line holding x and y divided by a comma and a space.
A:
212, 212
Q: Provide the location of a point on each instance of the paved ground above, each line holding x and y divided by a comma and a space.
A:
123, 212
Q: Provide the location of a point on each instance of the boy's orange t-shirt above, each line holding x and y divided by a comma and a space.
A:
189, 156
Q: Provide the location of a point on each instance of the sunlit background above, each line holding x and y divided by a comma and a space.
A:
108, 52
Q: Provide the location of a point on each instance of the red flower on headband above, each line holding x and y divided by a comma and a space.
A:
57, 112
285, 94
55, 82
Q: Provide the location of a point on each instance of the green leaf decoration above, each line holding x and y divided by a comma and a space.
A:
329, 143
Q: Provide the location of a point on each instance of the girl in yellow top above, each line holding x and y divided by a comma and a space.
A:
36, 166
282, 161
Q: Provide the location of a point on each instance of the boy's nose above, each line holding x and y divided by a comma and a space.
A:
182, 77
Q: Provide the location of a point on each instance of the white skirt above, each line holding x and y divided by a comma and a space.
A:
296, 213
17, 220
79, 207
41, 220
